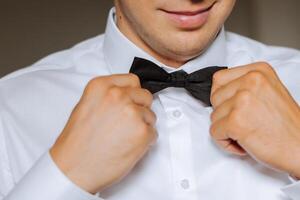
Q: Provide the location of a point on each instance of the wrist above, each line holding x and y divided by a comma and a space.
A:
71, 172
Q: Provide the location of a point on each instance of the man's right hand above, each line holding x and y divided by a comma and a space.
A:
109, 130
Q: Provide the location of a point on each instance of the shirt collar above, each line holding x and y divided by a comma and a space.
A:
119, 51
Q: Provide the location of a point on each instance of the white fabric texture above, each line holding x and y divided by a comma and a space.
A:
185, 163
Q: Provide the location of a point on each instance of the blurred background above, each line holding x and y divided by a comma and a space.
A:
32, 29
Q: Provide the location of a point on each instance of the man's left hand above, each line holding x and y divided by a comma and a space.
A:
255, 114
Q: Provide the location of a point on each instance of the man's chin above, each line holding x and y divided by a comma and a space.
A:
186, 52
176, 58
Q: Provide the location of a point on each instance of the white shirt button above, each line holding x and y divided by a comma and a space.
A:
177, 113
185, 184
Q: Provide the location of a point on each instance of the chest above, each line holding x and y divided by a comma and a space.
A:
186, 164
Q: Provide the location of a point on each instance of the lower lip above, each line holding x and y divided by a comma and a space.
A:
189, 21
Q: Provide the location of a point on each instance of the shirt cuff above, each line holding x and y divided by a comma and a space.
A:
292, 190
45, 181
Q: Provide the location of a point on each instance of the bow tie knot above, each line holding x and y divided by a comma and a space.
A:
179, 79
154, 78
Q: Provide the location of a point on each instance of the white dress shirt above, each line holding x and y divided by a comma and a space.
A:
185, 164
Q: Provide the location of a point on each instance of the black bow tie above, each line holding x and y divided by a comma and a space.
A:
154, 78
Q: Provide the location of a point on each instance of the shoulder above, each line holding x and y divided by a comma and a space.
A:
61, 60
64, 64
54, 78
284, 60
259, 51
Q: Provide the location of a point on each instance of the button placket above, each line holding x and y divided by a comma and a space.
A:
181, 152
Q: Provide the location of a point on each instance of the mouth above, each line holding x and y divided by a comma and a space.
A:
188, 19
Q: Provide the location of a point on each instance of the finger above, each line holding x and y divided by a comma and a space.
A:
220, 136
148, 115
141, 96
232, 147
218, 129
252, 82
225, 76
153, 135
149, 139
222, 110
226, 92
124, 80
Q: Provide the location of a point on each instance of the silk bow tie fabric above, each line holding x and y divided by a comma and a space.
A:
155, 79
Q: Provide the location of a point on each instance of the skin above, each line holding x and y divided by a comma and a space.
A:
95, 152
109, 130
255, 114
168, 42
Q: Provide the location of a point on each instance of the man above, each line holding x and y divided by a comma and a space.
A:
76, 125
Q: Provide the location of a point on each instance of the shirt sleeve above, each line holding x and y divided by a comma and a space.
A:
45, 181
292, 190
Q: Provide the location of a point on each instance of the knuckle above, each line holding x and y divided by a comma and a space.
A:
243, 97
143, 131
256, 79
234, 118
115, 93
134, 78
235, 128
213, 116
132, 111
148, 94
213, 131
264, 65
94, 81
214, 98
151, 116
94, 84
267, 68
154, 117
217, 76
